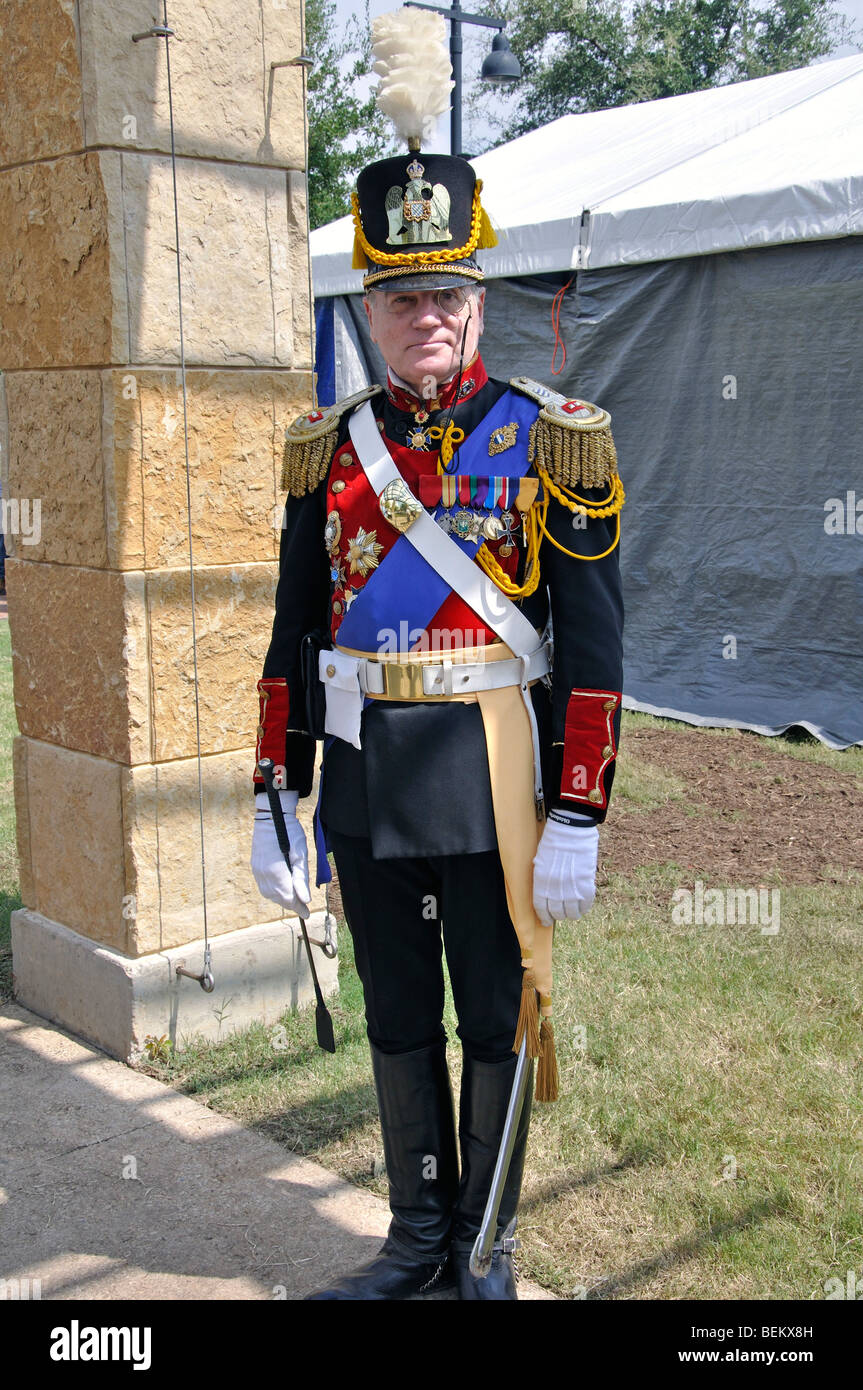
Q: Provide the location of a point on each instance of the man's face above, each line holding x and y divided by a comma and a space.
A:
419, 332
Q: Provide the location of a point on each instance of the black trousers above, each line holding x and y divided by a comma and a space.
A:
397, 911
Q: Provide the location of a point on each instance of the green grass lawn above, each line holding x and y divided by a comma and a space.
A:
708, 1142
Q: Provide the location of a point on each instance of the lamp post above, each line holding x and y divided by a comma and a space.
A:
501, 66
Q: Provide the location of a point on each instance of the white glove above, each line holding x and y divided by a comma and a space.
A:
275, 880
564, 871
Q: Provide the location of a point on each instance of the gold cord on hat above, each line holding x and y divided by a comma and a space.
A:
369, 280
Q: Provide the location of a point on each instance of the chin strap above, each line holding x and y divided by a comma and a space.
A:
446, 461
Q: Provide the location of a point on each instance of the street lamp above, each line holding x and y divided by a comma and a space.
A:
500, 67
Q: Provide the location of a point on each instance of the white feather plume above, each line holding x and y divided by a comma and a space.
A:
410, 52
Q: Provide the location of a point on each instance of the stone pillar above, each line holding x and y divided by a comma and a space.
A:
91, 426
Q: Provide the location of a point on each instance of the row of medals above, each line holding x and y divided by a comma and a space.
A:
476, 526
465, 524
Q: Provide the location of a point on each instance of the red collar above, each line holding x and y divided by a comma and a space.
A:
473, 378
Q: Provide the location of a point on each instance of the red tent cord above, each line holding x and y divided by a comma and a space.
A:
556, 305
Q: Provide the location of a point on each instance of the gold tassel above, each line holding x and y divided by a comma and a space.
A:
359, 261
573, 459
305, 463
487, 234
547, 1077
528, 1016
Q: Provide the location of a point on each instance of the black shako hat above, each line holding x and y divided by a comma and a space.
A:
418, 221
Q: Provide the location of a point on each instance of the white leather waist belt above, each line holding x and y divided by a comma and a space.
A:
448, 679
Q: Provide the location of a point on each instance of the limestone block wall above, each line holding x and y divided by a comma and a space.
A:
91, 429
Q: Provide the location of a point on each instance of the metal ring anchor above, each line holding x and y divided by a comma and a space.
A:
301, 61
158, 31
328, 945
205, 979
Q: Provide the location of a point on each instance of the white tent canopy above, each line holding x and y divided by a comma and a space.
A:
709, 249
778, 159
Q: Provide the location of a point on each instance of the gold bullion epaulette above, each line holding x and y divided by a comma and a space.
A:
310, 443
570, 439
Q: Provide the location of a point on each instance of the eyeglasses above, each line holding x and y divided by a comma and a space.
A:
449, 302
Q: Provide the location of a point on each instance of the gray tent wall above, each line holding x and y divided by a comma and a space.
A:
735, 389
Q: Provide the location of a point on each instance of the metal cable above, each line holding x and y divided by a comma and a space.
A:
308, 204
207, 971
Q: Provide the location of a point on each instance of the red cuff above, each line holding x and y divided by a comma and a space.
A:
588, 746
272, 729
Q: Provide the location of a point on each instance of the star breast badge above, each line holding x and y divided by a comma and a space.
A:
363, 552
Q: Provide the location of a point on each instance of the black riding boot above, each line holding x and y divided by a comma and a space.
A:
418, 1127
485, 1092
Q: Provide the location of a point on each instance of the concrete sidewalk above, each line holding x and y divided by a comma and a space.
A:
116, 1186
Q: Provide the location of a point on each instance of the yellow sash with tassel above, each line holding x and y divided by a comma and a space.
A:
510, 764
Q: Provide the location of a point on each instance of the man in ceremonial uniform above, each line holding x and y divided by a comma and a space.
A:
439, 534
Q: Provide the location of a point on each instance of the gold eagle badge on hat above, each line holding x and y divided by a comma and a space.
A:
419, 212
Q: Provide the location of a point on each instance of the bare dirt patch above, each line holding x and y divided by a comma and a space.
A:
753, 812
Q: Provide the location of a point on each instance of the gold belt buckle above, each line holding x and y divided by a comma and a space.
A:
403, 680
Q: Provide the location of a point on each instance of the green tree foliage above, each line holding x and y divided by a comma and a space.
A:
584, 55
345, 130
